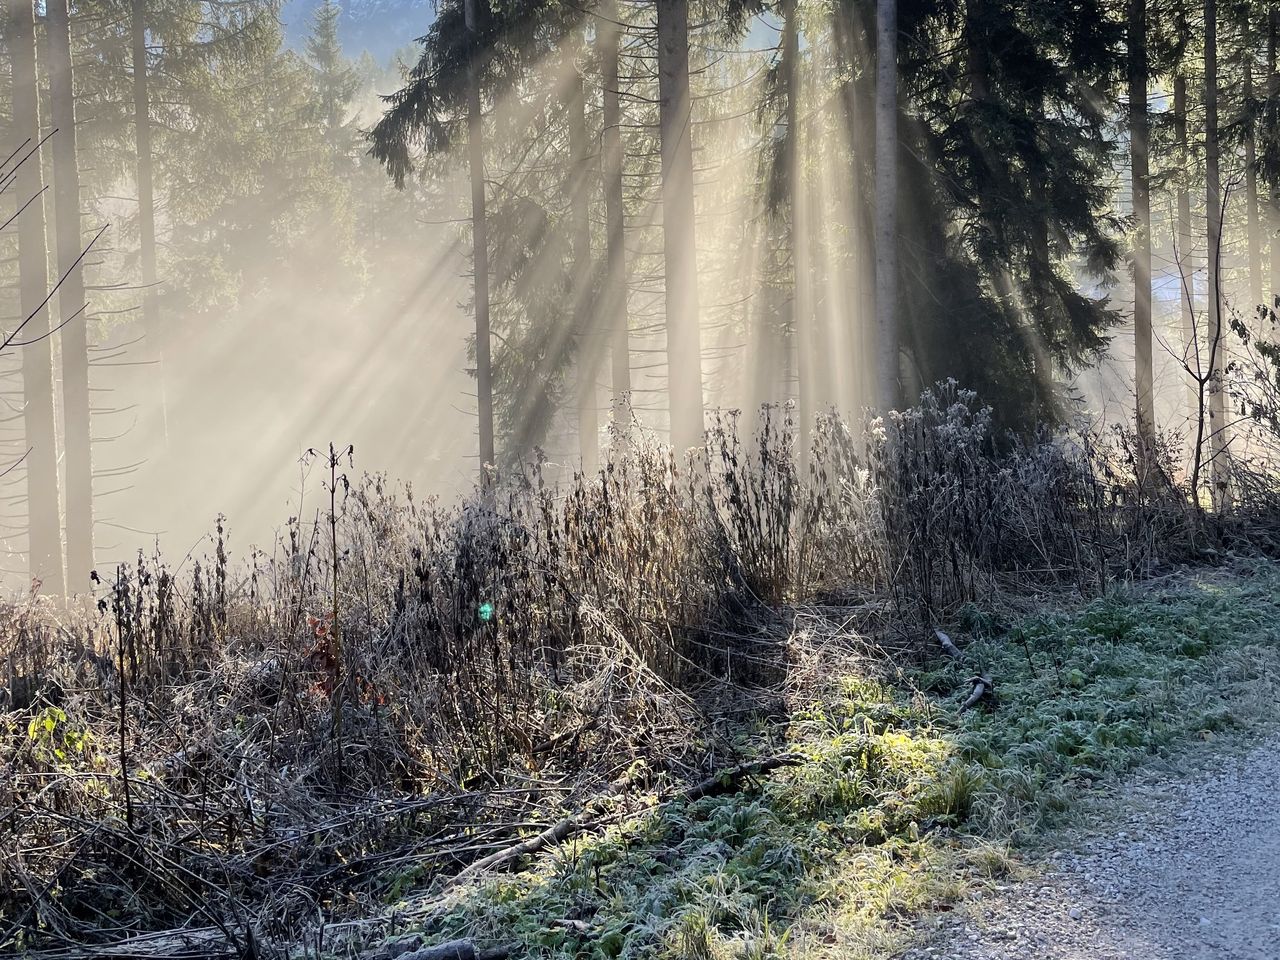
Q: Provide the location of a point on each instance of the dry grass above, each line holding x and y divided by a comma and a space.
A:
403, 687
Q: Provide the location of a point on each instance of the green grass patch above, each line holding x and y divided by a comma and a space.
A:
899, 805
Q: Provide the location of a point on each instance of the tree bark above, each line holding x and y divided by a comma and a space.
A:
803, 321
851, 286
679, 247
588, 339
43, 520
1141, 194
1185, 261
1254, 239
888, 367
1213, 207
479, 245
615, 287
1273, 175
854, 38
145, 175
71, 301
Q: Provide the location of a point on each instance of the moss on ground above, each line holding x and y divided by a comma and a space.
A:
900, 805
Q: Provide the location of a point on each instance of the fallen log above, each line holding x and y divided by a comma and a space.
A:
557, 833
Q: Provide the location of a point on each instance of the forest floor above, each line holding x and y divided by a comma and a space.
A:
1105, 803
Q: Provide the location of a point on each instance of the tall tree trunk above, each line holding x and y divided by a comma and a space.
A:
861, 105
43, 521
802, 314
1254, 239
1217, 424
888, 367
588, 339
1185, 261
1273, 131
71, 302
679, 247
145, 175
615, 288
851, 111
1141, 193
479, 244
767, 380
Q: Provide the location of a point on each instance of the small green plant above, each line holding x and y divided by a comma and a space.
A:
54, 737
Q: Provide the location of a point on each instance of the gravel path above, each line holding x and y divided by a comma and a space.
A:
1181, 870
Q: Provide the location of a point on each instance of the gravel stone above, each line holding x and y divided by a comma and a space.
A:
1184, 869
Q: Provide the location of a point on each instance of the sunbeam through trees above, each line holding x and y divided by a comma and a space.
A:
719, 396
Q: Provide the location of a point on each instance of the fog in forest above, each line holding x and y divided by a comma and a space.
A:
667, 479
274, 243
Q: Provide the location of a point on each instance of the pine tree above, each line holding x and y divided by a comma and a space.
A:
1185, 262
684, 341
1005, 192
1140, 188
1216, 346
479, 239
803, 320
462, 58
1253, 229
335, 80
584, 304
44, 536
145, 181
71, 300
888, 338
615, 282
1270, 158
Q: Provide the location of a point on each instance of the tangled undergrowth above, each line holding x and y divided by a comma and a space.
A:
399, 689
896, 803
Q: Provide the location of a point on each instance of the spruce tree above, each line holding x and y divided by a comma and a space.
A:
614, 299
78, 460
1140, 192
32, 334
888, 337
334, 80
1005, 193
680, 273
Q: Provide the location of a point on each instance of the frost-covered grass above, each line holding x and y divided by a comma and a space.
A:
900, 805
727, 876
1087, 694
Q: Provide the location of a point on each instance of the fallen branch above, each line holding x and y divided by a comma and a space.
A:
460, 950
949, 648
552, 835
982, 687
727, 780
722, 782
548, 745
